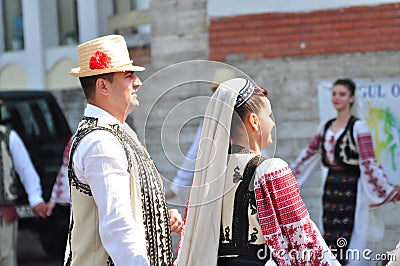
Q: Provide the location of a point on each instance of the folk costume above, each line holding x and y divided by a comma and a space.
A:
15, 163
118, 210
354, 182
60, 191
106, 154
234, 216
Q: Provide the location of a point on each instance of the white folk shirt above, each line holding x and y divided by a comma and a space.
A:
60, 193
100, 161
25, 169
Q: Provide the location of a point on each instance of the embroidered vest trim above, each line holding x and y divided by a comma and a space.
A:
155, 213
8, 176
346, 153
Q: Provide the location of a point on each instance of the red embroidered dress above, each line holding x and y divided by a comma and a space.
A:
346, 193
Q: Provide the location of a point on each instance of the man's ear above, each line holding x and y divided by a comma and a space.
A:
101, 86
254, 122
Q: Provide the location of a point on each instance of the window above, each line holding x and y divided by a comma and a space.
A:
32, 117
134, 6
68, 22
132, 19
13, 25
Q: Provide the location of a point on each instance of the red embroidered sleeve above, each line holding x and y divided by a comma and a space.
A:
285, 221
312, 148
380, 189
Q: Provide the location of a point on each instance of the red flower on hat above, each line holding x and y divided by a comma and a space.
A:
100, 60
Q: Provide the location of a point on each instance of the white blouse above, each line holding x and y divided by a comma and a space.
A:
329, 145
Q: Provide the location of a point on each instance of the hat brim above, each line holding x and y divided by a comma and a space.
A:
76, 72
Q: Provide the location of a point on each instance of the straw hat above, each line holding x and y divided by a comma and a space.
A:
106, 54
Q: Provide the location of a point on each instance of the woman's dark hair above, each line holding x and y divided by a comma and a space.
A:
348, 83
253, 104
89, 83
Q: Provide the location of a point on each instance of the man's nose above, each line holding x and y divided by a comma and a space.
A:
137, 82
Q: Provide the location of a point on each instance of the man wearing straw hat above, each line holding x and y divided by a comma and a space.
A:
118, 211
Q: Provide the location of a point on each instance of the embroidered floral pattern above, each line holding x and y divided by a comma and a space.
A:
311, 149
295, 231
370, 167
154, 208
100, 60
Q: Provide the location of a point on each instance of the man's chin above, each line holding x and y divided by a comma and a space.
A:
132, 106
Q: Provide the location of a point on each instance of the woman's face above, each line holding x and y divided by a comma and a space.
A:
341, 98
267, 123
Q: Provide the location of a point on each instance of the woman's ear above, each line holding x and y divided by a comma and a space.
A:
254, 123
352, 98
101, 86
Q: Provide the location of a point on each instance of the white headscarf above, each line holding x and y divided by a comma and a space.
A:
200, 237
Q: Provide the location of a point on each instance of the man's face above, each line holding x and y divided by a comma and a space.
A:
134, 102
123, 91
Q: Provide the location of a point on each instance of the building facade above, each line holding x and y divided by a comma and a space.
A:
289, 47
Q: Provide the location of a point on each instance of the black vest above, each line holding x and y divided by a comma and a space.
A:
236, 241
346, 153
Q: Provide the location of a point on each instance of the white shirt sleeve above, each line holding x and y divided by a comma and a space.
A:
100, 161
25, 169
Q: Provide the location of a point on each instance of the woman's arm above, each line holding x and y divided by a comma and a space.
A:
376, 186
285, 222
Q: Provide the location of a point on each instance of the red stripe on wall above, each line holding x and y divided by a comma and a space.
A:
268, 35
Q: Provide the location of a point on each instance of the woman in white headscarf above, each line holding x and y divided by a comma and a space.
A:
244, 209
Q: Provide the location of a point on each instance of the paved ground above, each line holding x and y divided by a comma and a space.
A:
31, 253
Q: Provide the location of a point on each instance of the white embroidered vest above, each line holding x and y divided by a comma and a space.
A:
148, 205
8, 176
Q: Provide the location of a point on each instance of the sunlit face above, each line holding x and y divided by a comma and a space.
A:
341, 98
134, 102
123, 91
266, 122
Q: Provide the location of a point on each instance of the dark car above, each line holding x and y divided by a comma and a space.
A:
41, 124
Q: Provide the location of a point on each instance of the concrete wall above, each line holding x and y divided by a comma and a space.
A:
179, 33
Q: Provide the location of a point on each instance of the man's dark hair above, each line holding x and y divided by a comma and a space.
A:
89, 83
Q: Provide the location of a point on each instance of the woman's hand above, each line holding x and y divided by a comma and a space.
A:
396, 197
50, 207
40, 210
175, 221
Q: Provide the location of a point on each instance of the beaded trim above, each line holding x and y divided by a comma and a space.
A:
244, 94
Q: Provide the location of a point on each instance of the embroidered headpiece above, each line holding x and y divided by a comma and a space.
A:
244, 94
